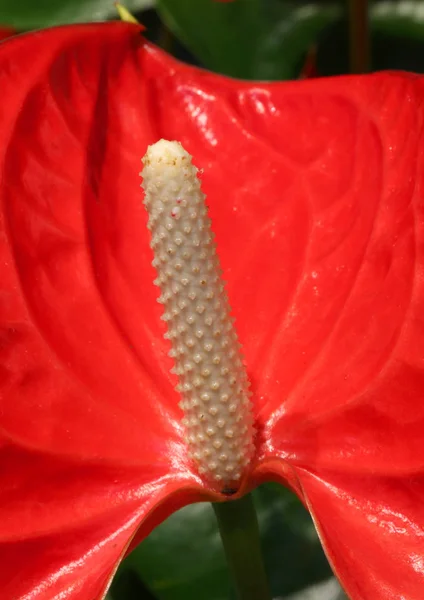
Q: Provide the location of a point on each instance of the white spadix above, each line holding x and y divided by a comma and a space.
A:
212, 380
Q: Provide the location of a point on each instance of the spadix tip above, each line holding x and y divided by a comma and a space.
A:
166, 152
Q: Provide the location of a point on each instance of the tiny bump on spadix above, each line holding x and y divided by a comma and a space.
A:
212, 381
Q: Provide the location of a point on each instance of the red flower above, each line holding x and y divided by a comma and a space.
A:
315, 190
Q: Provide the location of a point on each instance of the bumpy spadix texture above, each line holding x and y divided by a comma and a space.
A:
212, 380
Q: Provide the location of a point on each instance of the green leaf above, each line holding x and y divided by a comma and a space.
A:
400, 18
126, 585
292, 551
33, 14
268, 39
250, 39
183, 558
397, 30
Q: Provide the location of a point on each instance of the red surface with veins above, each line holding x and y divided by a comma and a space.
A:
315, 190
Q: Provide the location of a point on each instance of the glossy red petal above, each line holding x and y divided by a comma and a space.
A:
314, 192
64, 224
348, 353
66, 523
372, 530
90, 433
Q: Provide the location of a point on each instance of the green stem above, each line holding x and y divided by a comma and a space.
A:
238, 526
359, 36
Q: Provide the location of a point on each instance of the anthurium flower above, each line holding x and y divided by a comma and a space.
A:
315, 192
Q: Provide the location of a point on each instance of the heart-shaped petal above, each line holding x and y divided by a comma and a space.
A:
314, 191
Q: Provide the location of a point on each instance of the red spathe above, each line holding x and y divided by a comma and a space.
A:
316, 193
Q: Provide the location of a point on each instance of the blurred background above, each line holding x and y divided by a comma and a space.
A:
251, 39
255, 39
